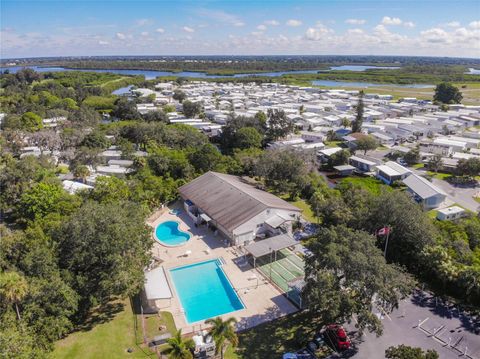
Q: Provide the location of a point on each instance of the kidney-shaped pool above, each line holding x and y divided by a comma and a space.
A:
169, 234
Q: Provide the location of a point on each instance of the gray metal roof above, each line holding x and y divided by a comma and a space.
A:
344, 168
397, 167
228, 200
422, 187
269, 245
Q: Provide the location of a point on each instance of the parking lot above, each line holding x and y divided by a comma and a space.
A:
421, 321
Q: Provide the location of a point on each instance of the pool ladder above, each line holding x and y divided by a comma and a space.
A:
222, 261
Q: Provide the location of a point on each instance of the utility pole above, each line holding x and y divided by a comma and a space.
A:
270, 266
386, 243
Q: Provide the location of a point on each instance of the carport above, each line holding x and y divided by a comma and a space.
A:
269, 246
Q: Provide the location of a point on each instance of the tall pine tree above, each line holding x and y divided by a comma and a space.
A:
357, 124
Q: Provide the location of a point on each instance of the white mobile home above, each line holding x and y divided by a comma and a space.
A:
424, 192
450, 213
362, 164
391, 172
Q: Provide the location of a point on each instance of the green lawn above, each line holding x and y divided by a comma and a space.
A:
439, 175
330, 144
418, 165
432, 214
307, 212
272, 339
111, 335
370, 184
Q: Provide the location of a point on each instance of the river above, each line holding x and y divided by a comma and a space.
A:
329, 83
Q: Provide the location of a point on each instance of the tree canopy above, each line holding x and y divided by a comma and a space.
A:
366, 143
347, 275
405, 352
447, 93
116, 242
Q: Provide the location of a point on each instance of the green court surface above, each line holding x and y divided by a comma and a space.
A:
286, 268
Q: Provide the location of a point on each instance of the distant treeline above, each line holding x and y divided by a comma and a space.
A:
239, 64
399, 77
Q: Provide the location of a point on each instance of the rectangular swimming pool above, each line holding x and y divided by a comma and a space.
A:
204, 290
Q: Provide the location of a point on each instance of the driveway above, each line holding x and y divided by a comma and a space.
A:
461, 195
455, 194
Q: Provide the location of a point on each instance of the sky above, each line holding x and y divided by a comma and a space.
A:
229, 27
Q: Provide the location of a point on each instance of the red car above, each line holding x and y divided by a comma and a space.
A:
336, 336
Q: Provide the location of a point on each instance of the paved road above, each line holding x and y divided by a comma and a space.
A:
462, 196
443, 328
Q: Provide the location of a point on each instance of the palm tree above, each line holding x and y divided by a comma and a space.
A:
223, 332
13, 288
179, 348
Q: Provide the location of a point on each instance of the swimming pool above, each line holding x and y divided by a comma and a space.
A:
169, 234
204, 290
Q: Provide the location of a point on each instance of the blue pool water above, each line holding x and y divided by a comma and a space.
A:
169, 234
204, 291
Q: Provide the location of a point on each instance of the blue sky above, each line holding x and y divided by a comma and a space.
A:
56, 28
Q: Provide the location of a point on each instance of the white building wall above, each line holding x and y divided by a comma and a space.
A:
248, 230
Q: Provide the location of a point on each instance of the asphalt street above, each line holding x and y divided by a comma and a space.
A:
443, 327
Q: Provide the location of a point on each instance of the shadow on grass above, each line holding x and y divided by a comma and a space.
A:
102, 314
272, 339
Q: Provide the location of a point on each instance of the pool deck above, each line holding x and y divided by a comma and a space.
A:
263, 302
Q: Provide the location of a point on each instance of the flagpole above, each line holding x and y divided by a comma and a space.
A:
386, 242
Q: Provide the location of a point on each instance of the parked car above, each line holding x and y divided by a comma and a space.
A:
337, 336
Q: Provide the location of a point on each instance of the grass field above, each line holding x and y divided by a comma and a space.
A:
110, 335
471, 93
370, 184
330, 144
271, 340
307, 212
439, 175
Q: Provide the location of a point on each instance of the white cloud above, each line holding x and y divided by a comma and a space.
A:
387, 20
160, 30
271, 22
440, 40
143, 22
221, 16
453, 24
144, 33
294, 23
257, 33
475, 24
395, 21
355, 21
355, 32
188, 29
261, 27
319, 32
435, 35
